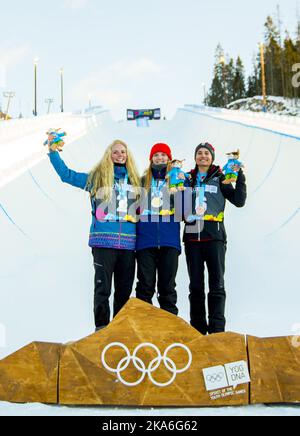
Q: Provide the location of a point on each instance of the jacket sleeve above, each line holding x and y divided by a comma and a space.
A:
237, 196
79, 180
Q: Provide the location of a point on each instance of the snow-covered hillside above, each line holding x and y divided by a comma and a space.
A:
275, 105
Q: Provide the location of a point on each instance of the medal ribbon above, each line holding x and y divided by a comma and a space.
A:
123, 187
200, 191
156, 189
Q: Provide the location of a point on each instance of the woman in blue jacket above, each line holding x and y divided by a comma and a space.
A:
114, 188
158, 234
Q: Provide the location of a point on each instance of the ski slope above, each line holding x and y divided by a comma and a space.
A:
46, 275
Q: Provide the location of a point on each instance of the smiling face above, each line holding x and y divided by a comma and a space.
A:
160, 159
204, 158
119, 154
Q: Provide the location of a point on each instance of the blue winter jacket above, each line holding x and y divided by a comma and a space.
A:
158, 231
103, 234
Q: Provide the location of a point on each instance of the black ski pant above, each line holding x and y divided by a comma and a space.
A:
161, 265
108, 263
212, 254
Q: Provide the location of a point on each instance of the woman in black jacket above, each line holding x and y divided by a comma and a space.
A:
205, 237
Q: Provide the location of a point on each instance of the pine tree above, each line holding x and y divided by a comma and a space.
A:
254, 81
297, 46
289, 54
273, 59
281, 54
239, 88
229, 81
217, 96
298, 33
281, 60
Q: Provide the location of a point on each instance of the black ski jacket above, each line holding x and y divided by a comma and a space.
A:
209, 230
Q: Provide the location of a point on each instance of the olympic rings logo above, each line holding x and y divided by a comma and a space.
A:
140, 365
215, 378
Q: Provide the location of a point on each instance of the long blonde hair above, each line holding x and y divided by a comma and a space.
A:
102, 175
147, 177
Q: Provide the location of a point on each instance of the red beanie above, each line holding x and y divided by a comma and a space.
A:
161, 148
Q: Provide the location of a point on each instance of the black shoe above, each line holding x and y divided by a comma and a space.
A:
100, 328
201, 329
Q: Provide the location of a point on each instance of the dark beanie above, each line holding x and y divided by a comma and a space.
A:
208, 147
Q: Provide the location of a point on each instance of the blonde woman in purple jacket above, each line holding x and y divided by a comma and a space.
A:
113, 185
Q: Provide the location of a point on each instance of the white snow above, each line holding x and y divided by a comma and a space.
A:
7, 409
267, 121
276, 105
46, 276
21, 141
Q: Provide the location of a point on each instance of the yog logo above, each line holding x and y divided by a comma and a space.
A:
140, 365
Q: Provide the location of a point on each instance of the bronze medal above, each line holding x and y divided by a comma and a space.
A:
200, 211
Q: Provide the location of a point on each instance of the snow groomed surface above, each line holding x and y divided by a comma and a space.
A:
46, 266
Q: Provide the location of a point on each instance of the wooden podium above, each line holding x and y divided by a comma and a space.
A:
30, 375
148, 357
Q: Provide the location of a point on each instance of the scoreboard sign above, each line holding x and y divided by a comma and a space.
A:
151, 114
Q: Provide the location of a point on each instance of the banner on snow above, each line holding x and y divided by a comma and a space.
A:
151, 114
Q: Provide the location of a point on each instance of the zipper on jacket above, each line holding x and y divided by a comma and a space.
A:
158, 226
158, 235
93, 213
199, 222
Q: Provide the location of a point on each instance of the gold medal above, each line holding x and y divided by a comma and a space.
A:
156, 193
157, 202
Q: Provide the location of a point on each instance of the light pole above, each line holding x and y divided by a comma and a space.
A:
9, 95
263, 74
61, 72
49, 101
204, 92
20, 109
35, 63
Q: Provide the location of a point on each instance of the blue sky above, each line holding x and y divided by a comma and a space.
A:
125, 54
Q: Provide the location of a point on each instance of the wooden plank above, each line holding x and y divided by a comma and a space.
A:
275, 370
30, 375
